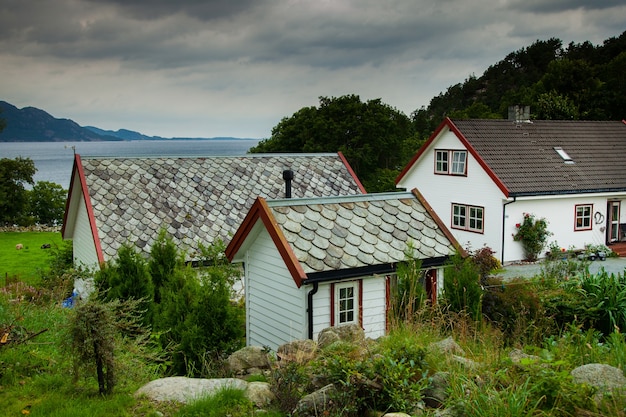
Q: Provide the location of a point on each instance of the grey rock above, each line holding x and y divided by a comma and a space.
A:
351, 333
436, 394
312, 405
603, 377
247, 360
447, 345
517, 356
184, 390
299, 351
260, 393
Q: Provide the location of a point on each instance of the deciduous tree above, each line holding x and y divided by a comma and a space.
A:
14, 174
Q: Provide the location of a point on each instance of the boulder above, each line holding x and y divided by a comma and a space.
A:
447, 345
605, 378
249, 360
436, 394
351, 333
260, 393
184, 390
299, 351
517, 356
314, 404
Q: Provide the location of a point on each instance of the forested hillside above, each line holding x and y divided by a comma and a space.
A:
577, 81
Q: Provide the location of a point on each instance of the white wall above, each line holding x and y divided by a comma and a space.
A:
374, 306
476, 189
560, 214
275, 306
82, 240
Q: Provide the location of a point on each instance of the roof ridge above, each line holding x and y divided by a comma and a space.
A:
303, 201
195, 156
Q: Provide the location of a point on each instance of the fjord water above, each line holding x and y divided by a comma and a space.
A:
54, 160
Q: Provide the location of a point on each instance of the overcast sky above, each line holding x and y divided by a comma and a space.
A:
204, 68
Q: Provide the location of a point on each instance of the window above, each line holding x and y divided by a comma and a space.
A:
450, 162
441, 164
346, 304
583, 217
458, 162
469, 218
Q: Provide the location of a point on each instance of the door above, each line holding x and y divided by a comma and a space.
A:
613, 232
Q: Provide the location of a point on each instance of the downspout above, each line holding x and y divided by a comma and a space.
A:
503, 222
310, 308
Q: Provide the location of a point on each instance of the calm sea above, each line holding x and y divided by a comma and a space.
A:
54, 160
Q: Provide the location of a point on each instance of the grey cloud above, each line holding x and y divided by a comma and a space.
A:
205, 10
554, 6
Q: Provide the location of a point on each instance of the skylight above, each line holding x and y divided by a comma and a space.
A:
566, 158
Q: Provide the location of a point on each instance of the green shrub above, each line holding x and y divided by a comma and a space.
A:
462, 291
127, 278
515, 308
408, 293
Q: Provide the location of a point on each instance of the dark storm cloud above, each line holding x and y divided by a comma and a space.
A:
249, 63
205, 10
553, 6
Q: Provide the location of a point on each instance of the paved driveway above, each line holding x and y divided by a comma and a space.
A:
610, 265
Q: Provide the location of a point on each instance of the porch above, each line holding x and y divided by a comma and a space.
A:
619, 248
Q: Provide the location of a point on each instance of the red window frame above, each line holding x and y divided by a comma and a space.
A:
583, 221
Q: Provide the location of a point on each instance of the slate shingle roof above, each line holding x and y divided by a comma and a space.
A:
522, 155
331, 234
198, 199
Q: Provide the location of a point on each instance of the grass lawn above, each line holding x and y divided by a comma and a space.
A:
25, 263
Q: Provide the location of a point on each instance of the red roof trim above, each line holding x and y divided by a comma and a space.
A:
351, 171
260, 210
440, 223
447, 122
78, 165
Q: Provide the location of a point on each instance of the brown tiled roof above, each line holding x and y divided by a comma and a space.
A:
522, 155
331, 234
198, 199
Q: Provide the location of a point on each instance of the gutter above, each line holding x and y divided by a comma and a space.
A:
503, 222
310, 308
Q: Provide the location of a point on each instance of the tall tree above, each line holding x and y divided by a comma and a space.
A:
47, 202
370, 135
14, 174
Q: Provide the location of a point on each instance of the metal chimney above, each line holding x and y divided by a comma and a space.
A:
288, 176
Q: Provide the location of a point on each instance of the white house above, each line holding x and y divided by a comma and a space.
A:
112, 201
318, 262
481, 176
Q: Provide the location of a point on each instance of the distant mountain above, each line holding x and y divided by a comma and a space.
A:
34, 125
31, 124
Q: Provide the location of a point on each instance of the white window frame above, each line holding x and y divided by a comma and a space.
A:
442, 161
451, 162
585, 219
346, 308
467, 217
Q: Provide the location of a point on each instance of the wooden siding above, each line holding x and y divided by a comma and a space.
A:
276, 308
321, 308
475, 189
374, 306
83, 242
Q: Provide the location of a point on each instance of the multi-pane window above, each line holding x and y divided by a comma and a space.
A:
441, 162
583, 217
450, 162
458, 162
469, 218
346, 307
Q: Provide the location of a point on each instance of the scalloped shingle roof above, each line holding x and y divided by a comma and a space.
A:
198, 200
330, 234
334, 235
